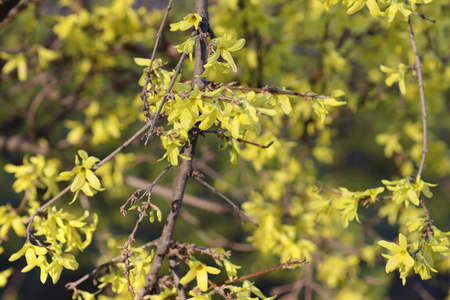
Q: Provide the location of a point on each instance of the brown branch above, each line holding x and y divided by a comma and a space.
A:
9, 9
126, 253
418, 67
220, 133
63, 192
197, 175
149, 70
96, 272
18, 143
219, 290
202, 250
429, 221
174, 264
156, 116
289, 264
184, 170
424, 17
188, 199
266, 89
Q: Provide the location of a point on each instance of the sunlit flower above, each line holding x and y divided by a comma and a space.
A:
400, 256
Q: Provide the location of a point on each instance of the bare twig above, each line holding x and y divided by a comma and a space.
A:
149, 70
126, 253
123, 146
418, 68
8, 14
176, 275
67, 189
289, 264
423, 17
18, 143
219, 290
429, 221
189, 199
202, 250
266, 89
220, 133
156, 116
242, 214
97, 271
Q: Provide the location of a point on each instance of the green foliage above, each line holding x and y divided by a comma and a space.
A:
322, 103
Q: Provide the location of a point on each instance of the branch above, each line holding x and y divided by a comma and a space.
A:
423, 17
101, 163
94, 273
10, 9
266, 89
126, 253
185, 168
176, 275
197, 175
202, 250
429, 221
289, 264
183, 171
189, 199
156, 116
19, 144
220, 133
422, 97
149, 70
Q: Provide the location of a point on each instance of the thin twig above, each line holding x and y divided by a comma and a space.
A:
219, 290
424, 17
429, 221
266, 89
106, 159
174, 264
202, 250
16, 10
94, 273
189, 199
221, 133
126, 253
149, 70
289, 264
123, 146
197, 175
156, 116
422, 97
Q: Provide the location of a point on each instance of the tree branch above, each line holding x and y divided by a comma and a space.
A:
289, 264
105, 160
184, 170
241, 213
126, 253
149, 70
422, 97
189, 199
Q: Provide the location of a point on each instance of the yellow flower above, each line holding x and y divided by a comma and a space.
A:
199, 271
188, 21
400, 258
85, 180
224, 45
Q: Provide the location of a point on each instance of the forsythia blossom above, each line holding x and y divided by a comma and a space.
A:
85, 180
400, 257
